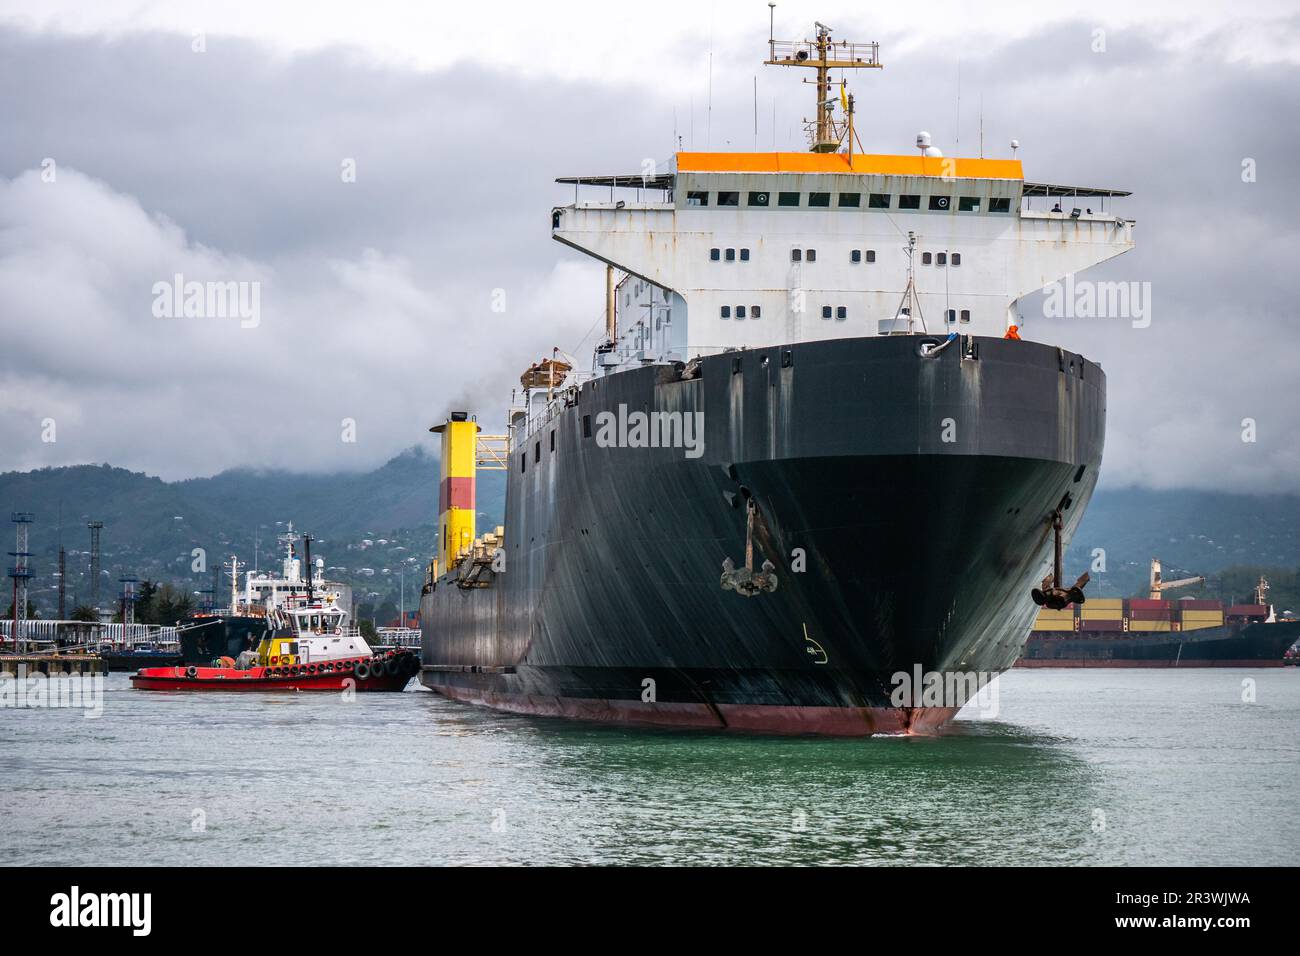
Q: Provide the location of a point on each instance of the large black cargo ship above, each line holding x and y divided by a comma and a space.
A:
778, 489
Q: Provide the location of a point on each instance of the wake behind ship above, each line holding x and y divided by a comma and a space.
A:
812, 453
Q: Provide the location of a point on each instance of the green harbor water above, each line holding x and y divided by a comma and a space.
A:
1129, 767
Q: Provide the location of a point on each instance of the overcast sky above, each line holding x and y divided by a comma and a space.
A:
377, 295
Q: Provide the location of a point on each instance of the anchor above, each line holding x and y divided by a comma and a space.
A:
744, 581
1050, 593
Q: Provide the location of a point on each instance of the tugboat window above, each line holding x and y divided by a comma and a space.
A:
943, 258
787, 199
796, 255
965, 315
819, 199
1000, 205
926, 258
729, 199
909, 202
740, 311
697, 199
810, 255
952, 315
968, 204
726, 311
956, 258
744, 255
731, 255
715, 254
841, 313
878, 201
754, 313
758, 199
940, 203
850, 200
855, 255
826, 312
871, 255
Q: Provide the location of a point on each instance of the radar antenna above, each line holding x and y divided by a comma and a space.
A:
823, 55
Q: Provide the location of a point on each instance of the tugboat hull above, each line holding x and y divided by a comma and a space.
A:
377, 675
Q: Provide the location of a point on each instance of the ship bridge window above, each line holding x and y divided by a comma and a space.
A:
728, 199
926, 258
952, 315
694, 198
715, 255
731, 255
810, 255
787, 199
940, 203
819, 199
965, 315
878, 201
826, 312
855, 255
740, 311
1002, 204
841, 312
968, 204
850, 200
909, 202
754, 312
758, 199
942, 258
871, 255
726, 312
744, 255
796, 255
956, 258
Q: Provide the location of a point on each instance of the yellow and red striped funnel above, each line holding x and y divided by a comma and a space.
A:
456, 487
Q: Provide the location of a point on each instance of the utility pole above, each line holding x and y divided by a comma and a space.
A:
95, 528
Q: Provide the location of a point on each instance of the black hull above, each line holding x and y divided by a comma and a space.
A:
1231, 645
203, 640
917, 550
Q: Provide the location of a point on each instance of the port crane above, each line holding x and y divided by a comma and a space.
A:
1158, 585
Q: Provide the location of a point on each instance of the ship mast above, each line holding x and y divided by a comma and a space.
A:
823, 55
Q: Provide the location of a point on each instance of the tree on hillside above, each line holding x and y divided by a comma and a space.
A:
84, 612
162, 603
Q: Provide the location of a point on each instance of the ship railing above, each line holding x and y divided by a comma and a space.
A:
536, 419
837, 51
398, 636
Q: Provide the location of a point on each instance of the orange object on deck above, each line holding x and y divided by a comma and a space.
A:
1012, 333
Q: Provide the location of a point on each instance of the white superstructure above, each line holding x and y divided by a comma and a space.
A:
744, 250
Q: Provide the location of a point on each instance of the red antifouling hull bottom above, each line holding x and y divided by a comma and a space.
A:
1087, 662
744, 718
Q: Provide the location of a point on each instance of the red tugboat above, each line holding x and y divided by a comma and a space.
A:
308, 646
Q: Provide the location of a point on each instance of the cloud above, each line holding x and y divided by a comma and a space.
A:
377, 295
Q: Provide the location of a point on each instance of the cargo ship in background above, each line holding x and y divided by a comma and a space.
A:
1154, 632
229, 631
812, 451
